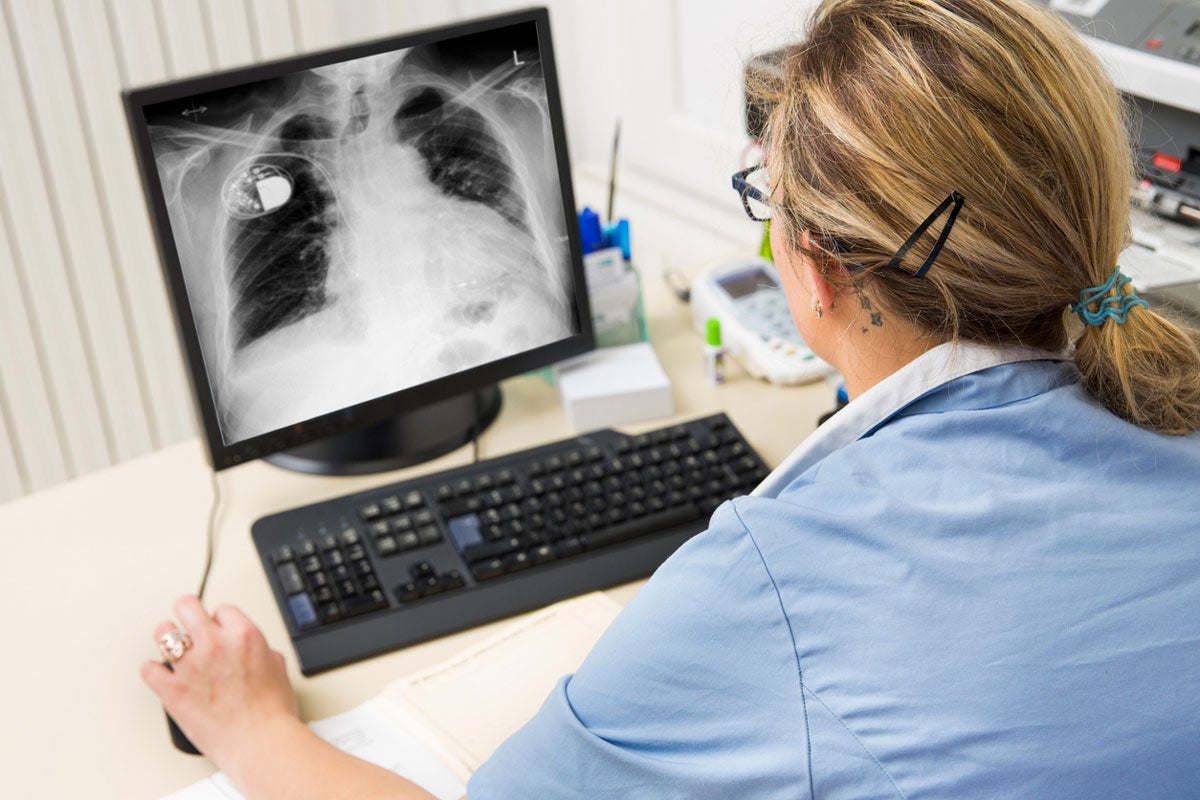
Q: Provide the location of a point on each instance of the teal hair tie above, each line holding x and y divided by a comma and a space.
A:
1110, 307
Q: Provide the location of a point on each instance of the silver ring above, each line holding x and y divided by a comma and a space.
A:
173, 644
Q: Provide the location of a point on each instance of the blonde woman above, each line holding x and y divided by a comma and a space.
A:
980, 578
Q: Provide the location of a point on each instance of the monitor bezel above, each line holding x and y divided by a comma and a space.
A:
222, 455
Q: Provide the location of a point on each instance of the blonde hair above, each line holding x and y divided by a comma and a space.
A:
888, 105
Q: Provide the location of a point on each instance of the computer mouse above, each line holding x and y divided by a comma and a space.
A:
181, 742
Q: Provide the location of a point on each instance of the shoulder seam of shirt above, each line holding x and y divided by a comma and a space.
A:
795, 650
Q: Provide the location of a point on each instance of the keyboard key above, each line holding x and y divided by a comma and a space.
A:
542, 554
428, 586
306, 548
289, 578
350, 536
444, 492
514, 562
402, 524
363, 604
303, 613
464, 486
421, 569
641, 526
378, 529
408, 540
452, 580
413, 500
429, 534
334, 557
486, 570
310, 565
568, 547
489, 550
370, 511
330, 613
465, 531
408, 592
283, 554
391, 505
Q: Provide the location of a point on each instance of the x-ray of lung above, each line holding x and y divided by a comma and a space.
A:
357, 229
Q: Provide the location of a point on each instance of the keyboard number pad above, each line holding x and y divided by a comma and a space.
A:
333, 579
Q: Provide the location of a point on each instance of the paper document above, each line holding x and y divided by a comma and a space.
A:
472, 703
437, 726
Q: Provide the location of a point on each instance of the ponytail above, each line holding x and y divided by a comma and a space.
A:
1145, 370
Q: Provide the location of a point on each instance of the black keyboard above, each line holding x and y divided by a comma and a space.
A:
364, 574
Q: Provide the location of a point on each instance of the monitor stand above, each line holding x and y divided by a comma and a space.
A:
410, 438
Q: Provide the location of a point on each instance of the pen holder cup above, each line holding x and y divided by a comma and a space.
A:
615, 292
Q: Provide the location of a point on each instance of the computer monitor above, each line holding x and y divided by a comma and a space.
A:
360, 243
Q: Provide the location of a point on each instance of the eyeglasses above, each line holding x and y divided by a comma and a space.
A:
751, 185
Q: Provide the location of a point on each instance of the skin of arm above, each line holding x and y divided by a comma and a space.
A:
230, 694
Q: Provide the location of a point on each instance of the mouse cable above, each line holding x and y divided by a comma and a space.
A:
212, 518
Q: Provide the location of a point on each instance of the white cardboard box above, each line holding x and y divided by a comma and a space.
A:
614, 385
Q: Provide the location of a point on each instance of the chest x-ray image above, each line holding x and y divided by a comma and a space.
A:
356, 229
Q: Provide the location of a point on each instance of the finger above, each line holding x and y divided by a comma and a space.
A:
193, 616
228, 616
157, 677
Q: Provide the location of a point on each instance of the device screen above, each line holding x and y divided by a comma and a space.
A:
743, 283
363, 227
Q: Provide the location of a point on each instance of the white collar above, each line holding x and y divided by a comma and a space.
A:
940, 365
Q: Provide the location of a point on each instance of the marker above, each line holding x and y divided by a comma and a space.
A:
714, 354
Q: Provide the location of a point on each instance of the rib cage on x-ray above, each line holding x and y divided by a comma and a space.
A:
357, 229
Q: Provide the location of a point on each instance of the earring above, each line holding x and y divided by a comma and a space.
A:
816, 307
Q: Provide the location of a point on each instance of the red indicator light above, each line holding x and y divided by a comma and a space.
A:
1154, 44
1167, 163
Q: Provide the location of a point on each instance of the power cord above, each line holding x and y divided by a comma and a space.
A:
678, 283
211, 539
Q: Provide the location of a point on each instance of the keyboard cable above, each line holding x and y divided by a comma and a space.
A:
211, 537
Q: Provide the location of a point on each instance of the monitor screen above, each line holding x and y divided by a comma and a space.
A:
392, 220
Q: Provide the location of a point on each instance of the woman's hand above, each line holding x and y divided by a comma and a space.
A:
228, 688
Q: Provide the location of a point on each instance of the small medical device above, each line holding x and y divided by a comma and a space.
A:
756, 325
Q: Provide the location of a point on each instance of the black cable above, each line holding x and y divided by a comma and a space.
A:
476, 428
212, 518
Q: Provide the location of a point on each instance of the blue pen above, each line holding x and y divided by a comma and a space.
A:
590, 235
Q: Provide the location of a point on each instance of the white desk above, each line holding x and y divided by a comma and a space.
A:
88, 568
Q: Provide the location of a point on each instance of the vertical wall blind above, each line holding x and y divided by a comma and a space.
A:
90, 370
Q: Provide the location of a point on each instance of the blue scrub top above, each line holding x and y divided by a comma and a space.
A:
994, 591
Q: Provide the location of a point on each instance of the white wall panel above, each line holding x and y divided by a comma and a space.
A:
138, 275
271, 27
33, 437
228, 26
38, 251
136, 41
11, 485
187, 41
67, 157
